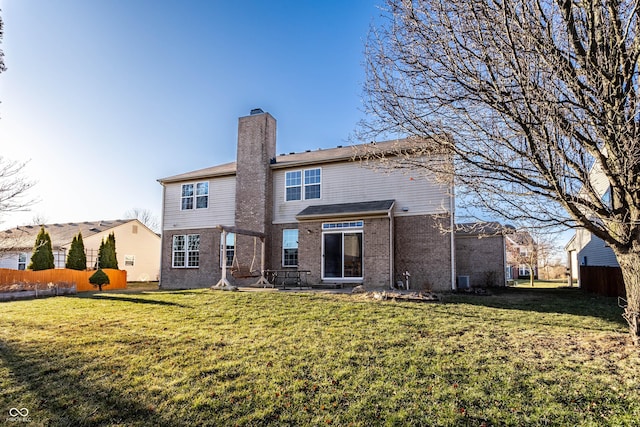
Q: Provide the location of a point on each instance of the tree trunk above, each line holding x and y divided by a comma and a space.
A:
630, 265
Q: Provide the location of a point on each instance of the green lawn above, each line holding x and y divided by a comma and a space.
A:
519, 357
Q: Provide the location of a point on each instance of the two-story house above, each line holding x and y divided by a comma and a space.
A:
322, 211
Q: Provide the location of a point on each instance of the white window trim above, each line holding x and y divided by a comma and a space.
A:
186, 251
297, 248
302, 184
195, 195
343, 228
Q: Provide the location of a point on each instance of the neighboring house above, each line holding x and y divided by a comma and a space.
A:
588, 250
522, 255
323, 212
137, 247
584, 248
481, 254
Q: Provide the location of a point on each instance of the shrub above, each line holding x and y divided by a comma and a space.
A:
77, 259
107, 253
99, 279
42, 257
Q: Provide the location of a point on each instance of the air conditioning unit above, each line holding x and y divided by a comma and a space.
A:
463, 282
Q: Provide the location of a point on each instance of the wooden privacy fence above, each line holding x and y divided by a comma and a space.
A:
606, 281
10, 278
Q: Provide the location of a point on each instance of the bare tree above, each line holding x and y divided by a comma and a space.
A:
528, 96
145, 216
2, 66
39, 219
13, 187
549, 256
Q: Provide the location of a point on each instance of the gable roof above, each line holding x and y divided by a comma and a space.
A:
317, 157
24, 236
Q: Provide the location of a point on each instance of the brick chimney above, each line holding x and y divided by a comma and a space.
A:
254, 192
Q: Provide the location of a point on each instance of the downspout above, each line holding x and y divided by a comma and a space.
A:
453, 238
391, 246
164, 189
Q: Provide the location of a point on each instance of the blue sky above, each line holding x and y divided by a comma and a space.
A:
106, 96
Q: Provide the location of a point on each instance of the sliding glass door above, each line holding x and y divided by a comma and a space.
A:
342, 255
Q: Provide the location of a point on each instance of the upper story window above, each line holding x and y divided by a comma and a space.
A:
303, 184
195, 195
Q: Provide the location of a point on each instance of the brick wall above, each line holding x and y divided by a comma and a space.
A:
206, 275
376, 253
310, 249
480, 259
424, 250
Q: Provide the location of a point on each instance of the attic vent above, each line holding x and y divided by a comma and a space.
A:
256, 111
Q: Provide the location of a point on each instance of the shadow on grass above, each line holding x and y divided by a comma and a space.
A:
572, 301
111, 297
64, 397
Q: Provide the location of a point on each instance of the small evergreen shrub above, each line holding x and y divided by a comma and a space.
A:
77, 258
99, 279
42, 256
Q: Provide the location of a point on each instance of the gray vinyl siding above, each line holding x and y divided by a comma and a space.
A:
349, 182
596, 253
221, 210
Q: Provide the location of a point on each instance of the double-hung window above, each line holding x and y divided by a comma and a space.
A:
312, 184
290, 248
195, 195
186, 251
293, 185
303, 184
